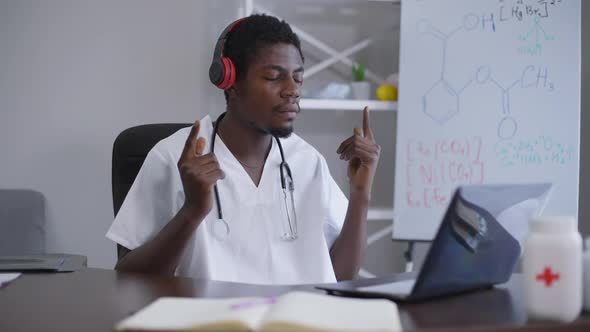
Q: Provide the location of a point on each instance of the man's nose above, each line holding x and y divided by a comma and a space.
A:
291, 90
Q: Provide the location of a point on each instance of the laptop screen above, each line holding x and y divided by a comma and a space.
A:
475, 245
473, 248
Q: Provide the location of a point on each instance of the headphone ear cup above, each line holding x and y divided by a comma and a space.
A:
229, 74
216, 72
232, 73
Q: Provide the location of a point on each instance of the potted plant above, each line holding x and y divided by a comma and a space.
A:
361, 89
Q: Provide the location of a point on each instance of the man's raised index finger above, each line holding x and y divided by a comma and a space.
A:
191, 142
368, 133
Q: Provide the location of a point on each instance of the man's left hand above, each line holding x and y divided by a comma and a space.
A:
362, 153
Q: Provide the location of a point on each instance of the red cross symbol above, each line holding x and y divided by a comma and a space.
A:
548, 277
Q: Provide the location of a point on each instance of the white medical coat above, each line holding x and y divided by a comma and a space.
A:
254, 251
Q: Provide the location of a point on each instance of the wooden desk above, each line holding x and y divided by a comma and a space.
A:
94, 300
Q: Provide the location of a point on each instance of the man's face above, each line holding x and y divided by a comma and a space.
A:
268, 96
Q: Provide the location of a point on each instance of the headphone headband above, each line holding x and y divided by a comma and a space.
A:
222, 72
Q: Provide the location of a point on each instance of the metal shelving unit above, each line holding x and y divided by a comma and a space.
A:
347, 105
333, 56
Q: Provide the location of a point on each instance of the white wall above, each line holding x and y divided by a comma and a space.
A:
73, 74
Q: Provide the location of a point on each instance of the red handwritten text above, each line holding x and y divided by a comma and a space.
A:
434, 167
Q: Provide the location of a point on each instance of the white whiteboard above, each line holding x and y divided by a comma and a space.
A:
489, 93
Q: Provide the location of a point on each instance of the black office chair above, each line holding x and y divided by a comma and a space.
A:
129, 151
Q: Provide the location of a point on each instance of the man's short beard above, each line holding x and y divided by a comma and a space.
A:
281, 132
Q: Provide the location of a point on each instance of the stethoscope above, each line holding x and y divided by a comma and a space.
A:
221, 227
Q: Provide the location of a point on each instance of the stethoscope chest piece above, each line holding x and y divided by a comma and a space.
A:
220, 229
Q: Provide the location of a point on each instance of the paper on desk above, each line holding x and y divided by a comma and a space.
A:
7, 277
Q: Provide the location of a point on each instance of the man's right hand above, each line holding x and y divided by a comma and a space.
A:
198, 173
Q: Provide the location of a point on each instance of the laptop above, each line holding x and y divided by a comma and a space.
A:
473, 247
42, 263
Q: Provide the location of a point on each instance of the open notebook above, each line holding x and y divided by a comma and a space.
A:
294, 311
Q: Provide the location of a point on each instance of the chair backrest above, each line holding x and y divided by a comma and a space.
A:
129, 151
22, 222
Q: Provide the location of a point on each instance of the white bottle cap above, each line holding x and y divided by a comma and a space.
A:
553, 224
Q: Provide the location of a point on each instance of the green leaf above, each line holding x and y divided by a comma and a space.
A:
358, 72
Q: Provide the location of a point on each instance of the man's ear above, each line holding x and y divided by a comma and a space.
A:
233, 92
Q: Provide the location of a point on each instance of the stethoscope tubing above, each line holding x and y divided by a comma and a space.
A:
284, 165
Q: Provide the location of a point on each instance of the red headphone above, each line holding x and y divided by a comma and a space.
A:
222, 71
